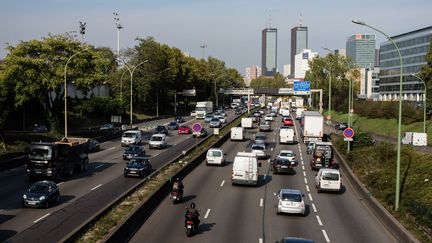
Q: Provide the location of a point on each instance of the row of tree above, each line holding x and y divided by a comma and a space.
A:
32, 78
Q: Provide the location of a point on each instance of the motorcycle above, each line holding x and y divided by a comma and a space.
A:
176, 197
191, 227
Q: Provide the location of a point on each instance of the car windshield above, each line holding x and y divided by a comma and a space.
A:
38, 188
156, 138
255, 147
40, 152
137, 162
160, 128
214, 153
259, 138
286, 154
172, 124
129, 135
215, 120
209, 116
184, 127
132, 149
330, 176
290, 197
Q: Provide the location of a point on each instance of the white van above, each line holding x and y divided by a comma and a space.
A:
286, 135
132, 137
415, 138
247, 122
215, 156
299, 112
158, 141
237, 133
245, 169
328, 180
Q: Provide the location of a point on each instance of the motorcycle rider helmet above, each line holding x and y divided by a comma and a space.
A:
192, 205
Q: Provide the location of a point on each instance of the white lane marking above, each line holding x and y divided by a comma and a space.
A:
305, 179
260, 240
304, 173
223, 182
325, 236
310, 197
301, 155
39, 219
314, 208
319, 220
96, 187
111, 148
261, 202
307, 188
58, 184
268, 160
302, 162
271, 149
303, 166
207, 213
97, 167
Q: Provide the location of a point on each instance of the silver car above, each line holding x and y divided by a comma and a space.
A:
259, 150
290, 201
260, 138
265, 126
215, 122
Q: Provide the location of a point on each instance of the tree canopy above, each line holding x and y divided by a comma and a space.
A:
277, 81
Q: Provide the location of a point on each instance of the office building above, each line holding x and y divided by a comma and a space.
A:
269, 52
299, 42
301, 61
286, 70
369, 83
413, 47
361, 49
251, 73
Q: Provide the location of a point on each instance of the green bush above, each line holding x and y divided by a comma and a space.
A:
388, 110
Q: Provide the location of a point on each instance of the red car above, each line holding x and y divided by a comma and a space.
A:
288, 122
184, 130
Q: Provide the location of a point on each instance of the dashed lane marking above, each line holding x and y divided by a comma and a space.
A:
319, 220
303, 166
314, 208
223, 182
96, 187
304, 173
58, 184
271, 149
325, 236
97, 167
305, 180
260, 240
39, 219
307, 188
207, 213
261, 202
310, 197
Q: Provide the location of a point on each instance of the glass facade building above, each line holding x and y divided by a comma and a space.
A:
361, 49
414, 47
299, 42
269, 52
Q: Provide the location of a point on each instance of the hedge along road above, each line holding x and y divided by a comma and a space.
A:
82, 195
248, 214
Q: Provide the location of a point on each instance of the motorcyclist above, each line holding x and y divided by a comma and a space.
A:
192, 214
178, 186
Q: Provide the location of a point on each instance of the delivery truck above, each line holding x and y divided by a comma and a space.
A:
415, 138
203, 108
312, 126
247, 122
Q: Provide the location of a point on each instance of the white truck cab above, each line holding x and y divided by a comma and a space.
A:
131, 137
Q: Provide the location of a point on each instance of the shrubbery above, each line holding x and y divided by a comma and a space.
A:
388, 109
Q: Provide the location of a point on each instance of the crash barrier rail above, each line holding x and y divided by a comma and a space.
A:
392, 224
424, 214
127, 228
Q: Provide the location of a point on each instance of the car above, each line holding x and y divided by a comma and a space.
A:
259, 150
183, 129
328, 180
294, 109
215, 156
41, 194
257, 114
261, 112
157, 141
193, 113
179, 119
288, 155
260, 138
173, 125
290, 201
254, 118
295, 240
288, 122
223, 113
138, 166
268, 117
40, 128
281, 165
133, 151
215, 122
310, 147
265, 126
340, 126
238, 111
273, 114
208, 118
161, 130
222, 119
94, 145
106, 127
200, 134
216, 115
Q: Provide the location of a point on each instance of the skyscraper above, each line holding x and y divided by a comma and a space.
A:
361, 49
299, 42
269, 52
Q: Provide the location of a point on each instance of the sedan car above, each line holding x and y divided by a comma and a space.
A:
260, 138
280, 165
193, 113
184, 130
161, 129
295, 240
290, 201
106, 127
265, 126
288, 155
200, 134
173, 125
41, 194
288, 122
222, 119
138, 166
133, 151
94, 145
208, 118
179, 119
215, 122
259, 150
268, 117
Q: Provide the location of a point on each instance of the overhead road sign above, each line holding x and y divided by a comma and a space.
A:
301, 87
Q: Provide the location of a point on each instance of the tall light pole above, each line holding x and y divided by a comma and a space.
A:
400, 112
65, 91
121, 86
119, 27
157, 93
203, 47
330, 80
82, 30
131, 71
424, 101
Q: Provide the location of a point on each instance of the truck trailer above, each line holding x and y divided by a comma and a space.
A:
203, 108
312, 126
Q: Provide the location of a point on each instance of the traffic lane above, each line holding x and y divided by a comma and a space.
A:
346, 217
209, 187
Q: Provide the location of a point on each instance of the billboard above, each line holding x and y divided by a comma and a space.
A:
301, 87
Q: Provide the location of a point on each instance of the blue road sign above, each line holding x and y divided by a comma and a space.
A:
348, 133
196, 127
301, 87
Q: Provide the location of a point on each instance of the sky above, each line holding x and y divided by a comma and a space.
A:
231, 29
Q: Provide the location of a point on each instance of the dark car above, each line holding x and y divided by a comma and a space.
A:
161, 129
200, 134
41, 194
40, 128
179, 119
295, 240
341, 126
173, 125
94, 145
138, 166
133, 151
282, 166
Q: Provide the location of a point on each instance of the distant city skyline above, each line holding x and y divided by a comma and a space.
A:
230, 29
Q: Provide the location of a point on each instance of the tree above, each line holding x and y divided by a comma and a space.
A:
277, 81
426, 75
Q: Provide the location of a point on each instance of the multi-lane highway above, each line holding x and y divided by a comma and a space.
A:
248, 214
81, 196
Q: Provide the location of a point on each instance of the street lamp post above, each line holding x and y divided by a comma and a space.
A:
119, 27
157, 93
131, 76
424, 101
330, 81
400, 112
121, 87
65, 91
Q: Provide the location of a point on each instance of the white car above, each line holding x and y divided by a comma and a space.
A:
290, 201
328, 180
268, 117
215, 156
106, 127
259, 150
222, 119
287, 155
157, 141
193, 113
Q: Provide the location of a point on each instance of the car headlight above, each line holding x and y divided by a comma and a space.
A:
24, 196
141, 168
41, 198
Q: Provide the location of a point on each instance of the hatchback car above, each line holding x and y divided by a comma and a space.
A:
288, 155
265, 126
268, 117
280, 165
133, 151
138, 166
259, 150
173, 125
161, 130
290, 201
215, 122
157, 141
94, 145
288, 122
200, 134
310, 147
184, 130
208, 118
215, 156
179, 119
193, 113
41, 194
260, 138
